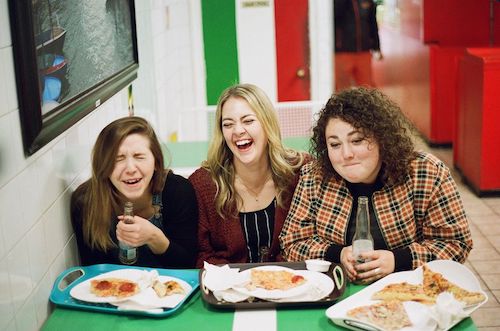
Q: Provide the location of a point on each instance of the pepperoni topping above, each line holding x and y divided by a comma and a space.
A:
297, 278
103, 285
127, 287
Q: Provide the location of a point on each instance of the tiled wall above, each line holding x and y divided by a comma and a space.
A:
36, 238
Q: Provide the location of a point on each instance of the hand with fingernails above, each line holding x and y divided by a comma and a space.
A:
142, 232
379, 264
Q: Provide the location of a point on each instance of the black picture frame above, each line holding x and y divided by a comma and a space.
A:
28, 21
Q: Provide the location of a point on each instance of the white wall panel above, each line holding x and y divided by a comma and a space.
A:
256, 45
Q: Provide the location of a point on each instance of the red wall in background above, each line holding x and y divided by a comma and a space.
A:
456, 22
422, 50
292, 49
443, 92
477, 152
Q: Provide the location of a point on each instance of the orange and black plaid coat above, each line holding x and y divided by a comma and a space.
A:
424, 214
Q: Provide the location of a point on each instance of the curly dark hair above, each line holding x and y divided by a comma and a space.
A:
377, 117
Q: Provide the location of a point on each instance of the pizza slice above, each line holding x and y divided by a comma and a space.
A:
435, 283
404, 292
103, 287
388, 315
126, 288
168, 288
274, 280
107, 287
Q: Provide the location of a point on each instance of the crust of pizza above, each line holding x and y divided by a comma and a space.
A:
274, 280
107, 287
388, 315
434, 283
404, 292
167, 288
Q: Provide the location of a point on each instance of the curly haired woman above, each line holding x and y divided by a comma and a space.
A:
363, 147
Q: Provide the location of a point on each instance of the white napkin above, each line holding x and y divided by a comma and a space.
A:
221, 278
133, 306
447, 310
147, 278
420, 316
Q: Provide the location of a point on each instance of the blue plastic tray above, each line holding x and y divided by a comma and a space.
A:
73, 276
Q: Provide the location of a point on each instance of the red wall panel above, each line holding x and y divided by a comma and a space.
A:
477, 154
292, 49
456, 22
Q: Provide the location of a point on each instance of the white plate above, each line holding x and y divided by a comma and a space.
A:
148, 297
453, 271
272, 294
82, 290
319, 286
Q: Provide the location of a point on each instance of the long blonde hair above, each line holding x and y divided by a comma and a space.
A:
283, 161
99, 199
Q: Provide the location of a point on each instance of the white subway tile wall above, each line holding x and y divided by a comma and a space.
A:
36, 237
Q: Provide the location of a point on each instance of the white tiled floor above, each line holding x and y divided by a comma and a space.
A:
484, 259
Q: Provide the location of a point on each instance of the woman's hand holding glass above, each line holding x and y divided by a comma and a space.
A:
379, 264
142, 232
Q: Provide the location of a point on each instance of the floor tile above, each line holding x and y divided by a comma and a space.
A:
496, 295
483, 254
490, 229
485, 219
487, 267
492, 301
486, 317
495, 241
492, 282
482, 242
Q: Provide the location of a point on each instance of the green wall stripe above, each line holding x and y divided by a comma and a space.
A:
219, 37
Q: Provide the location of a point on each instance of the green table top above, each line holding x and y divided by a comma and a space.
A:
196, 315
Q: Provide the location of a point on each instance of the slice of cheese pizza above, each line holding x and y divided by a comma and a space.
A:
404, 292
103, 287
274, 280
388, 315
106, 287
434, 283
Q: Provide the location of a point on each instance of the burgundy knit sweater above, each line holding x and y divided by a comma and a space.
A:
220, 240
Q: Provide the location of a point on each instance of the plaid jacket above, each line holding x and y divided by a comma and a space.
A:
425, 214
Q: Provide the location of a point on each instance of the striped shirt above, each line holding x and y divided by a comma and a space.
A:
424, 215
257, 228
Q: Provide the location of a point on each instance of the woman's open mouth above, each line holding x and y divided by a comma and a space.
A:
132, 181
244, 144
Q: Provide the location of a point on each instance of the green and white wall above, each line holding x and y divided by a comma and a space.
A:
239, 45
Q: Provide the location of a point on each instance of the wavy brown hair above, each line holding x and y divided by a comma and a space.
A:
283, 161
100, 200
377, 117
